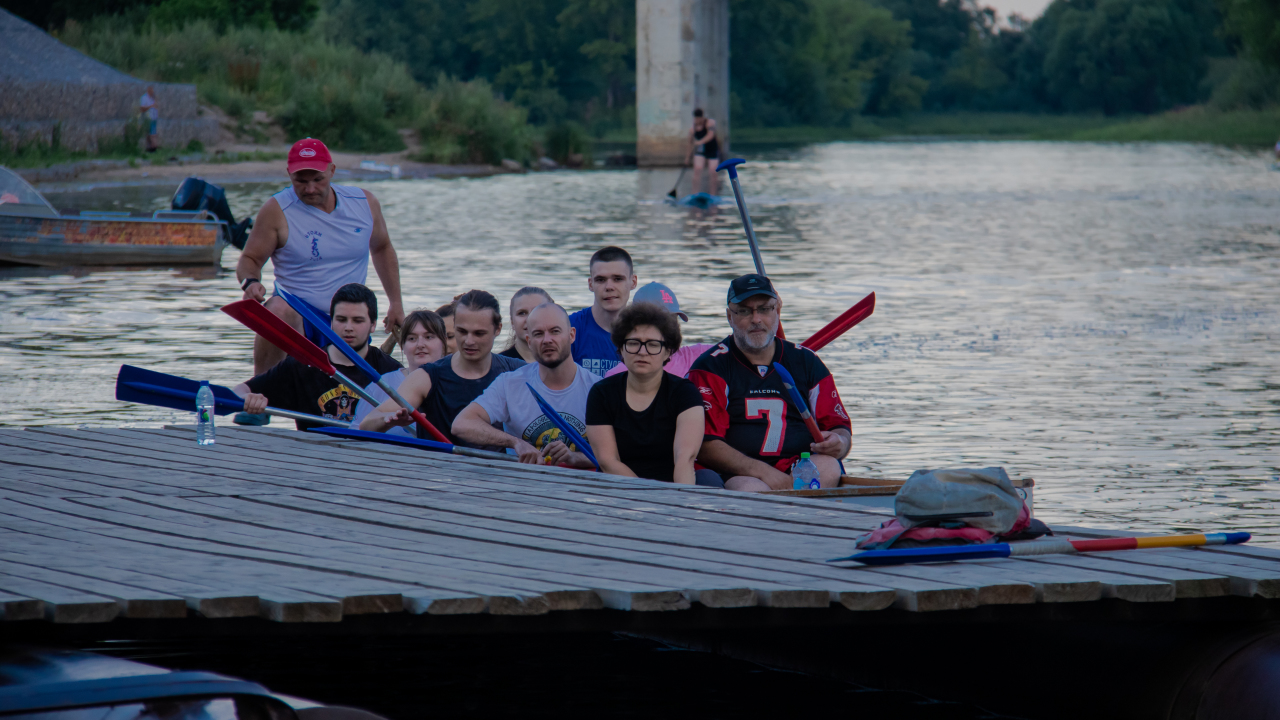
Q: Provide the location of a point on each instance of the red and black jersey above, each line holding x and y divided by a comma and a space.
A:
748, 407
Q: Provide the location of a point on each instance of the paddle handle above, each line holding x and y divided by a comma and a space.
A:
567, 430
418, 417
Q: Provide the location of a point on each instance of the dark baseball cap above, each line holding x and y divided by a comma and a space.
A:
747, 285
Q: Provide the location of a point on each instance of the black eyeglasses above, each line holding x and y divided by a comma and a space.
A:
651, 347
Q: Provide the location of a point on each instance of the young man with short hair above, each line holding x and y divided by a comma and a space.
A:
443, 389
754, 432
525, 428
292, 385
611, 280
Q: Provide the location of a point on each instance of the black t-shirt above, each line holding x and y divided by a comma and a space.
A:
511, 352
646, 439
292, 385
451, 394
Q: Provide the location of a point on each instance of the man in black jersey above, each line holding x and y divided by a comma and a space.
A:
754, 432
291, 385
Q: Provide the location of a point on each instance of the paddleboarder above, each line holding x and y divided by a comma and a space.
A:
292, 385
319, 237
443, 389
526, 429
611, 279
754, 433
704, 147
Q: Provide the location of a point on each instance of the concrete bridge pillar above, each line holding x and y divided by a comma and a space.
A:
682, 63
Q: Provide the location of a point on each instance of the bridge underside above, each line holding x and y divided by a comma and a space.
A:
682, 63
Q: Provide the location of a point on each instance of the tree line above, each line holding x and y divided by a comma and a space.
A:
793, 62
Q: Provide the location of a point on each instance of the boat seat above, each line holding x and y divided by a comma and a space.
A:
27, 210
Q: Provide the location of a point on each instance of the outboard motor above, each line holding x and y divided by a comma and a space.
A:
197, 194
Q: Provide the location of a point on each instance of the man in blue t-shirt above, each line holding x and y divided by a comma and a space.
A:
612, 279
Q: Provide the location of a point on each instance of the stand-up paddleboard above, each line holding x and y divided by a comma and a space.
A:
701, 200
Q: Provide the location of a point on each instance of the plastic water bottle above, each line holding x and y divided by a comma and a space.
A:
204, 414
805, 474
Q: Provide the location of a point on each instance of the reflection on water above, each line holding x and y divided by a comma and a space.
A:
1099, 317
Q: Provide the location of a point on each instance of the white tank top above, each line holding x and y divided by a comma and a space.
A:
324, 251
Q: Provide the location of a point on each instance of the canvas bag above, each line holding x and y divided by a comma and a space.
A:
955, 506
984, 499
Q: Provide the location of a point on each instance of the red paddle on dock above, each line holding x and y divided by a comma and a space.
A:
834, 329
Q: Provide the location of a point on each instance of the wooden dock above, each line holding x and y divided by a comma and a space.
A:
100, 525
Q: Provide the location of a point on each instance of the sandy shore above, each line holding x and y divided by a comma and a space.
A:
171, 170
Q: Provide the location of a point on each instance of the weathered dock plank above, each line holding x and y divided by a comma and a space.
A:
297, 528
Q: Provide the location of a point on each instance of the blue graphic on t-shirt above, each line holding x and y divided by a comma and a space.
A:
592, 348
314, 236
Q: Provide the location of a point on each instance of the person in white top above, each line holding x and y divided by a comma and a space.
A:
319, 237
151, 113
559, 380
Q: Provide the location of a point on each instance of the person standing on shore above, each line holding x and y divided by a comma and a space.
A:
150, 112
319, 237
704, 147
611, 280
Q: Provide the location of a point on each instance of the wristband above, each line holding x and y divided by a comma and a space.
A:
247, 282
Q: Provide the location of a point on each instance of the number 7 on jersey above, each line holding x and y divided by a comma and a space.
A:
774, 411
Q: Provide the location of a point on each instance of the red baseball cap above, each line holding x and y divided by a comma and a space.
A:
309, 154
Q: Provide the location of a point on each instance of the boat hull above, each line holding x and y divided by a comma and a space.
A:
71, 240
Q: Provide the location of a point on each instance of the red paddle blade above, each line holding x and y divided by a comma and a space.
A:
834, 329
259, 319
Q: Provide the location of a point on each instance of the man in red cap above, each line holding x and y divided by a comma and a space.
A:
319, 237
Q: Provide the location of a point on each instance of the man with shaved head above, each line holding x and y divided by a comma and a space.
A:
559, 380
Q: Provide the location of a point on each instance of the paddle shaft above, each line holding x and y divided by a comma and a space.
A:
674, 188
746, 223
1041, 547
732, 167
797, 399
418, 417
357, 434
564, 427
225, 402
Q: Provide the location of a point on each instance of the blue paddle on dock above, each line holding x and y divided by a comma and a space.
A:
148, 387
390, 439
565, 428
319, 324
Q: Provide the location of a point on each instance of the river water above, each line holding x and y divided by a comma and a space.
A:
1102, 318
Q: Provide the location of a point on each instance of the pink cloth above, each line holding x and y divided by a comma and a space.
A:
679, 363
924, 534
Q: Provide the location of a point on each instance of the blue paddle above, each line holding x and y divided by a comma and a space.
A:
389, 439
319, 324
565, 428
148, 387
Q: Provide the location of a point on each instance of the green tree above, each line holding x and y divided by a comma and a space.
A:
1257, 24
1122, 56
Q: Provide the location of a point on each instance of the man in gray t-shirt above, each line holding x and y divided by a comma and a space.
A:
564, 385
